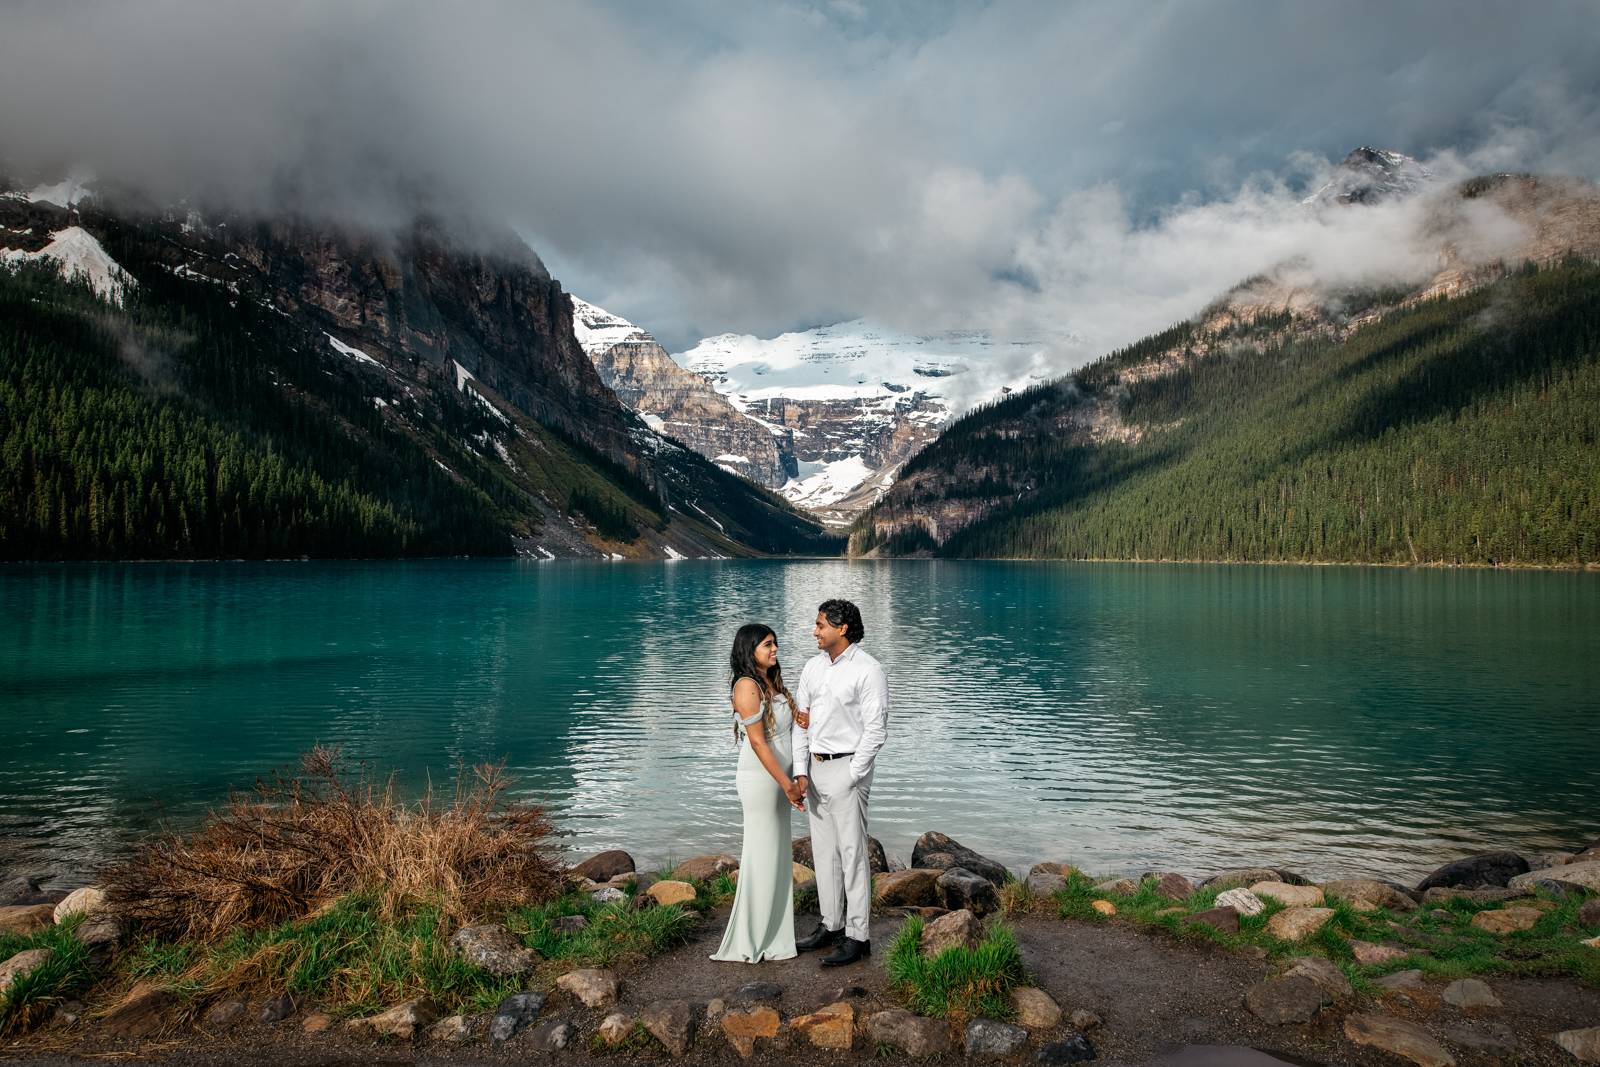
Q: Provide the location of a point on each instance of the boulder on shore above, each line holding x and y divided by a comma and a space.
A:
671, 891
1583, 1044
1172, 886
914, 888
831, 1027
1480, 871
1224, 919
1398, 1038
604, 866
987, 1039
1045, 883
493, 948
1369, 894
1036, 1009
20, 964
1297, 924
594, 987
1281, 1001
1325, 973
85, 901
671, 1022
514, 1015
1507, 920
744, 1026
960, 888
1584, 875
1241, 900
704, 868
936, 850
1290, 896
957, 929
1239, 877
911, 1034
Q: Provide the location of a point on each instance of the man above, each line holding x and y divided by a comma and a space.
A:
846, 700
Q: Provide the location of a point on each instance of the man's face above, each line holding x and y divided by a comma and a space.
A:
828, 635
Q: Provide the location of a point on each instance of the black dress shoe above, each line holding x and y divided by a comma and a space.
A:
849, 951
821, 937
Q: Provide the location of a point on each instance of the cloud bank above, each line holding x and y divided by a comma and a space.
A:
1099, 168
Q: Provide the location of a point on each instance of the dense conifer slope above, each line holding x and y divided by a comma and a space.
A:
1462, 431
194, 423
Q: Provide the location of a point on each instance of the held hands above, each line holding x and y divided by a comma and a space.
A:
796, 792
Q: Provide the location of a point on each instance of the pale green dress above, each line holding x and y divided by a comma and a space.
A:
762, 924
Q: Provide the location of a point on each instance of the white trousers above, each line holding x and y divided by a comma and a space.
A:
838, 816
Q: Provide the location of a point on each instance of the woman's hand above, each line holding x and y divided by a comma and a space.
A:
802, 716
796, 792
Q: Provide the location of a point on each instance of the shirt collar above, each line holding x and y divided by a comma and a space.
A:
848, 653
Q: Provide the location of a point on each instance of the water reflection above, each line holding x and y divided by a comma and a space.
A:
1333, 719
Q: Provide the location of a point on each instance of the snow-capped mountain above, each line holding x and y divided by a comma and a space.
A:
677, 402
1368, 175
826, 416
857, 399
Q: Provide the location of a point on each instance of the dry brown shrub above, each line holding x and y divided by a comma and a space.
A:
297, 844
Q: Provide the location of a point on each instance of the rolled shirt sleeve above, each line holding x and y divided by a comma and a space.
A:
799, 736
872, 696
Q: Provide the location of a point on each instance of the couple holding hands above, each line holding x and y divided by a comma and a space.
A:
811, 750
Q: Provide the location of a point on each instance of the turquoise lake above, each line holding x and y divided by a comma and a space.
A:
1124, 717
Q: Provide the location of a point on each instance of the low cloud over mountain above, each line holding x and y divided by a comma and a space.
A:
1092, 169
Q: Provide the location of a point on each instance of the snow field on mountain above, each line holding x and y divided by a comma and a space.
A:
79, 254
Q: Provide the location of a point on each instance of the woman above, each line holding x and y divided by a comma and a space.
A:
762, 924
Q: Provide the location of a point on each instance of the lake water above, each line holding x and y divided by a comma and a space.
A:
1337, 720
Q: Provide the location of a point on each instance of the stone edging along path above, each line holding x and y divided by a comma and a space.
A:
1349, 971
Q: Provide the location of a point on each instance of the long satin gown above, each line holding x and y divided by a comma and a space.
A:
762, 924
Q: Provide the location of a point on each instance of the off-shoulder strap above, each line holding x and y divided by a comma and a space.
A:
751, 721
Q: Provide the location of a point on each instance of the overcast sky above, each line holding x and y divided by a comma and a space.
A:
702, 167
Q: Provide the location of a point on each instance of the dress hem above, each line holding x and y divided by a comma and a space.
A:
747, 959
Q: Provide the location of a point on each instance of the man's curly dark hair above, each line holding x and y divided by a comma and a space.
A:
843, 613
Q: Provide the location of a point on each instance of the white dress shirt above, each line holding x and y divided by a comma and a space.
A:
849, 702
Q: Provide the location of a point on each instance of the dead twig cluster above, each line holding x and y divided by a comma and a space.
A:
296, 844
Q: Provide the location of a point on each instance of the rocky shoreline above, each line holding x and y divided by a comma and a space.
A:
1398, 992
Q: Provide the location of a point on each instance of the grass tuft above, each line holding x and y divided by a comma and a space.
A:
616, 932
960, 982
71, 970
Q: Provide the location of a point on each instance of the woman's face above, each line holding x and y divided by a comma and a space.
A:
767, 653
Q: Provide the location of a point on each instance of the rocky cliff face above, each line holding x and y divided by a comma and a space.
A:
420, 313
424, 306
678, 402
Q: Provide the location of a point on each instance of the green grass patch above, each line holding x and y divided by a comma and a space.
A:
959, 982
615, 931
348, 959
69, 972
1440, 940
1075, 901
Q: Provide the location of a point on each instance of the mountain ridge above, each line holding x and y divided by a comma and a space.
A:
990, 470
462, 359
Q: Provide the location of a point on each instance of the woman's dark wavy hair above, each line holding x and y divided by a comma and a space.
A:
742, 664
843, 613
